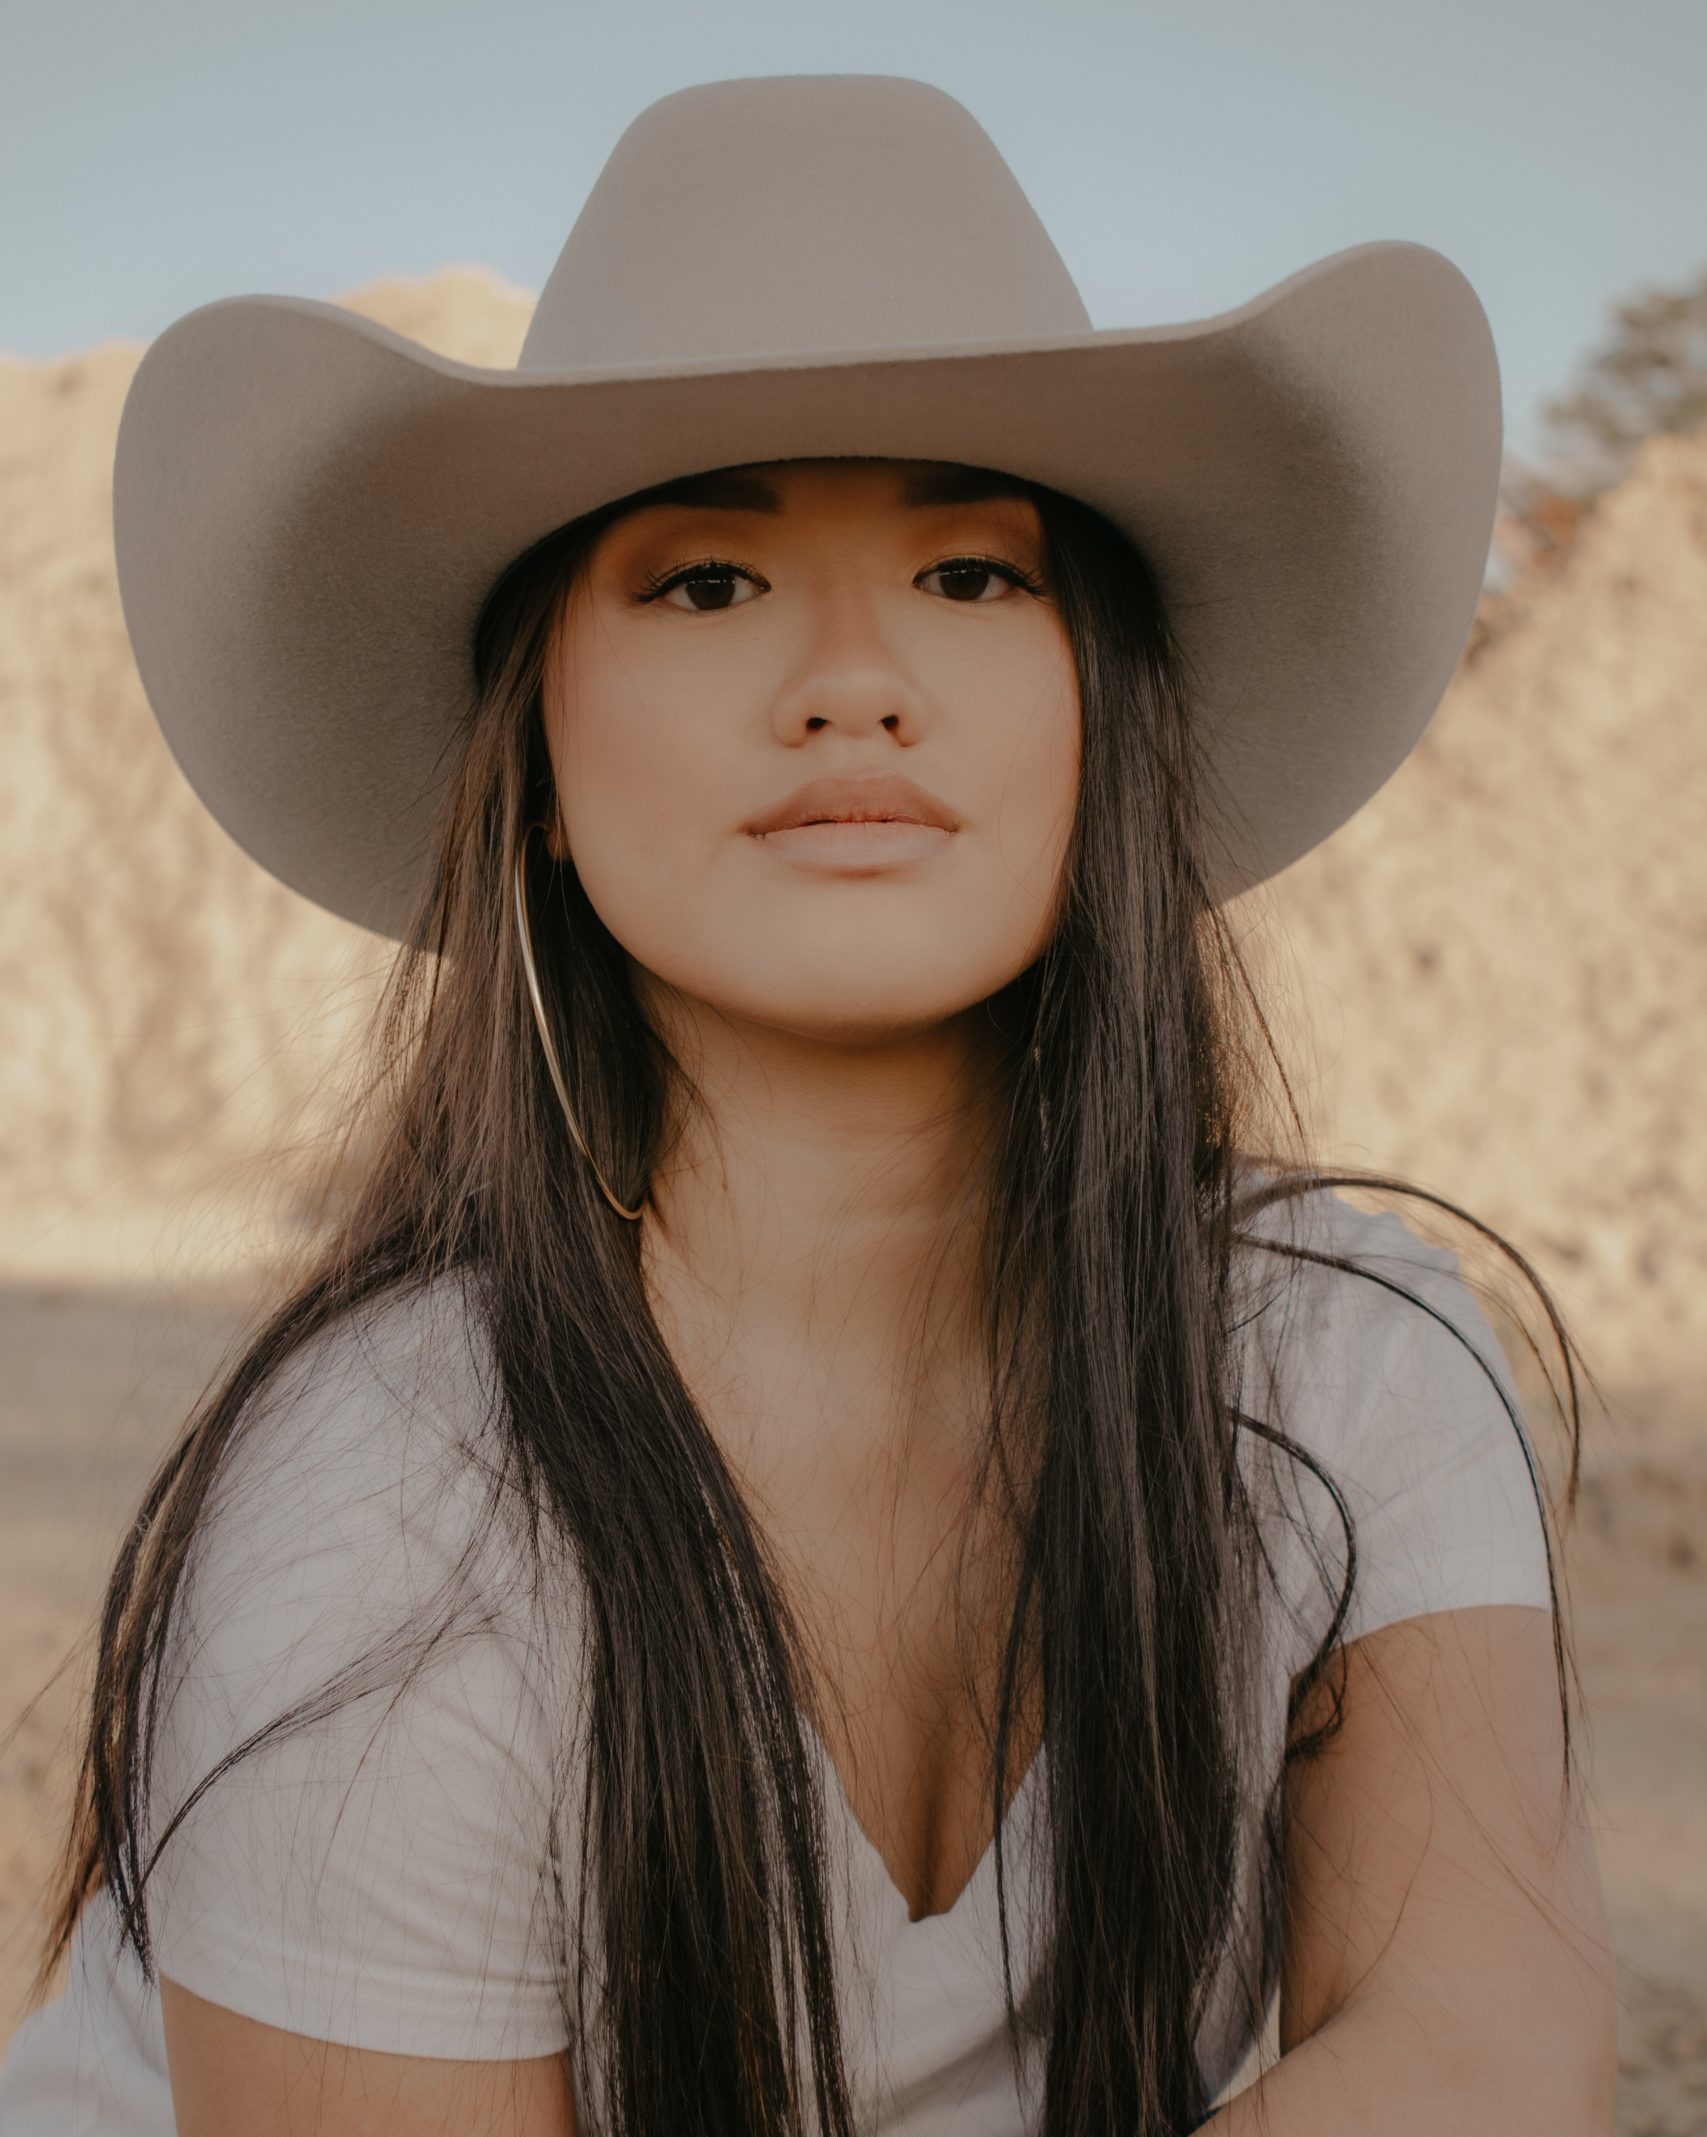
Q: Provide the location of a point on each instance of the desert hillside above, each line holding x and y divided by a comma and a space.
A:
171, 1009
1495, 973
1502, 959
1494, 981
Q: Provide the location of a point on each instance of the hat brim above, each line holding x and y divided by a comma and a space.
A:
309, 509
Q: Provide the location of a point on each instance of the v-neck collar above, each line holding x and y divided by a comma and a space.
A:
894, 1898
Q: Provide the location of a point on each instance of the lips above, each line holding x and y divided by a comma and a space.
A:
874, 799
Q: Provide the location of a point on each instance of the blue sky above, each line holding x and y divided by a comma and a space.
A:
1183, 157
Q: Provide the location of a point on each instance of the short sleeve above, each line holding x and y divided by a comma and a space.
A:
381, 1874
1405, 1405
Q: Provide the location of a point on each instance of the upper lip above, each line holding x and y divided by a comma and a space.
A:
876, 798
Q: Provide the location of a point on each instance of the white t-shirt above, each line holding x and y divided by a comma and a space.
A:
379, 1877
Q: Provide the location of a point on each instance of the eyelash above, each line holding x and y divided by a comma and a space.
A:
660, 582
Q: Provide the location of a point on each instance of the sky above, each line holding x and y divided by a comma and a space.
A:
1183, 158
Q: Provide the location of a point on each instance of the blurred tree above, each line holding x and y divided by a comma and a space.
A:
1535, 525
1649, 375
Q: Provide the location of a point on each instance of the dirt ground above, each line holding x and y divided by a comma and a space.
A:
98, 1376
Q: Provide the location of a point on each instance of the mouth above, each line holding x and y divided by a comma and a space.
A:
869, 799
855, 845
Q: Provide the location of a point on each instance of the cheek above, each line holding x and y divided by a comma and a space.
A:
646, 772
1032, 766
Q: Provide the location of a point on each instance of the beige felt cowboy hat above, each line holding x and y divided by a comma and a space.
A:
309, 509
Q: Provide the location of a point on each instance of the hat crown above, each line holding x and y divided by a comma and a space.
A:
799, 214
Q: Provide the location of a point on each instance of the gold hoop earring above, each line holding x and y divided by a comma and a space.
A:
526, 939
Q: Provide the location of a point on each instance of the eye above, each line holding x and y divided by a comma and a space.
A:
966, 575
711, 572
969, 582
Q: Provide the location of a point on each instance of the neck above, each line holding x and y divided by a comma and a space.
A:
823, 1204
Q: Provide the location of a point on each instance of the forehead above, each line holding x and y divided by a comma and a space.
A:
771, 486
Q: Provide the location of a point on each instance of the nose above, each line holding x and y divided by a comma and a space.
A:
849, 677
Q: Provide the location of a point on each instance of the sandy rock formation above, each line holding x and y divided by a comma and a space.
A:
1493, 979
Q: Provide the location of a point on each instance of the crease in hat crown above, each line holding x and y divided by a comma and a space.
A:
773, 216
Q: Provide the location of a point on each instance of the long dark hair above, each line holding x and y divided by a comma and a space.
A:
1135, 1049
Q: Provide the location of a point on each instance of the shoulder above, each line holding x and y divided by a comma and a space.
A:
387, 1418
367, 1486
370, 1706
1402, 1418
404, 1376
1320, 1327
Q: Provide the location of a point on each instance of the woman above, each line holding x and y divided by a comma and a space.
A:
822, 1545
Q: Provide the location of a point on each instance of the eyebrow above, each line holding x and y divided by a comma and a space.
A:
737, 489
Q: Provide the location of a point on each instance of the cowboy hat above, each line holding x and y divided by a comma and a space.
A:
308, 508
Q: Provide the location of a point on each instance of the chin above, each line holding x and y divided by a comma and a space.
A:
863, 986
865, 1008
